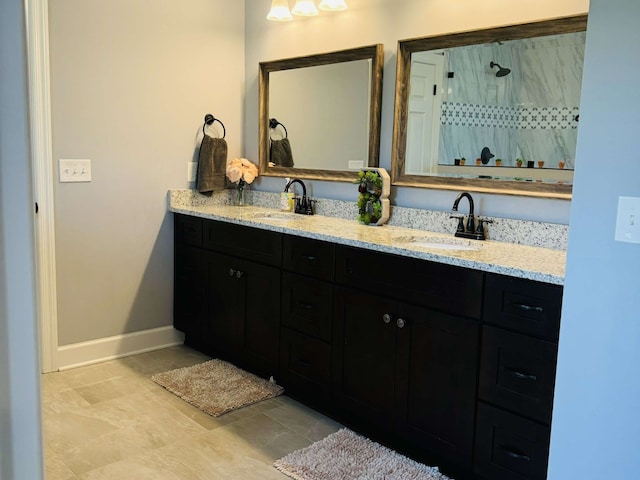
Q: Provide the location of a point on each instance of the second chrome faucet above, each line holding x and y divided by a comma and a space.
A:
470, 230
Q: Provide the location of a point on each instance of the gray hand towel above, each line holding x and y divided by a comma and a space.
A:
280, 153
212, 164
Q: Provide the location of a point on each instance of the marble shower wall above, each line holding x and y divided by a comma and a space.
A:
528, 114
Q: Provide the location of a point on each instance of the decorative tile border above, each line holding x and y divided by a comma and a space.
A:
471, 115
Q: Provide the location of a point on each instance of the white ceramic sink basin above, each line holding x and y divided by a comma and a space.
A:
440, 243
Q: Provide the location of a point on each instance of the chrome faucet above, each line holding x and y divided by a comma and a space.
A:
470, 230
303, 205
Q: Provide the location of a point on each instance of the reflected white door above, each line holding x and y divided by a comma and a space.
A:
425, 104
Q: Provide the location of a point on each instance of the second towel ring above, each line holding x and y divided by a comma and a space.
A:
209, 119
273, 123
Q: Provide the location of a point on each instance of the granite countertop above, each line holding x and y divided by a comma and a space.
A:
522, 261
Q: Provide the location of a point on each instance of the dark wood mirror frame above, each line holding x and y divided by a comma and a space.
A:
571, 24
375, 53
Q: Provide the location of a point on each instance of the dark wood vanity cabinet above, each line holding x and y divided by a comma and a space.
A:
307, 312
229, 305
188, 274
410, 369
453, 366
517, 378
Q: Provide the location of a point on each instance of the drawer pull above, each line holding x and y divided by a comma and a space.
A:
529, 308
522, 375
304, 363
311, 258
515, 455
307, 306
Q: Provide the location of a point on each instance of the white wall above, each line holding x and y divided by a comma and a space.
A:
387, 21
131, 81
20, 440
596, 426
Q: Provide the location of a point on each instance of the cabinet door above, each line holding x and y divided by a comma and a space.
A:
436, 383
261, 340
364, 348
225, 322
188, 293
243, 314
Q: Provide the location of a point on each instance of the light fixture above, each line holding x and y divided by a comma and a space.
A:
279, 11
305, 8
333, 5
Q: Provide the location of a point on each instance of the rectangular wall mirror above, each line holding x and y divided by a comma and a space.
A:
320, 114
492, 110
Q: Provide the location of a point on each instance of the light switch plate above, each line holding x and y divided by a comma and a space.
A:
74, 170
628, 220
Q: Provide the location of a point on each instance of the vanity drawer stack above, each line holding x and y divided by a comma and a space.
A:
516, 378
306, 322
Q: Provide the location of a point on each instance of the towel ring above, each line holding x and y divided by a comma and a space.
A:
209, 119
273, 123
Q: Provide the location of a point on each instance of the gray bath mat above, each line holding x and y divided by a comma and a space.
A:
217, 387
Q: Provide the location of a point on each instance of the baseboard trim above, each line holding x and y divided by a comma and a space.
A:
118, 346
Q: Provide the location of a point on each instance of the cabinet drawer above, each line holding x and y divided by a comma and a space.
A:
307, 305
305, 363
188, 229
518, 373
509, 447
250, 243
443, 287
522, 305
307, 256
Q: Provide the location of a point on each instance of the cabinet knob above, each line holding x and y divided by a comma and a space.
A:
400, 323
386, 318
239, 274
232, 272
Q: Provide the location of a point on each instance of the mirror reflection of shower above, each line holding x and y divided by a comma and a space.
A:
502, 72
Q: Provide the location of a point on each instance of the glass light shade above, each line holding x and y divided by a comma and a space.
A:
279, 11
333, 5
305, 8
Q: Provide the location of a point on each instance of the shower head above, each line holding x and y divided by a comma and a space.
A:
502, 72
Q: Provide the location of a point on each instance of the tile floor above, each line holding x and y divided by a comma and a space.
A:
110, 421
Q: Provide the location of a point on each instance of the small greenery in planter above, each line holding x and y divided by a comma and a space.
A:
369, 204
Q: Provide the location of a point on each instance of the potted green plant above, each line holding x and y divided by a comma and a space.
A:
372, 196
519, 162
498, 162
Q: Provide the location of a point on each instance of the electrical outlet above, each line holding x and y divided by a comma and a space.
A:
628, 220
192, 169
74, 170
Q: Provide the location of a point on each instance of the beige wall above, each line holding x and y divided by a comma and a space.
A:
131, 82
386, 22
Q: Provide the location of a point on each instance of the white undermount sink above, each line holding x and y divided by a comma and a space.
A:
439, 243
